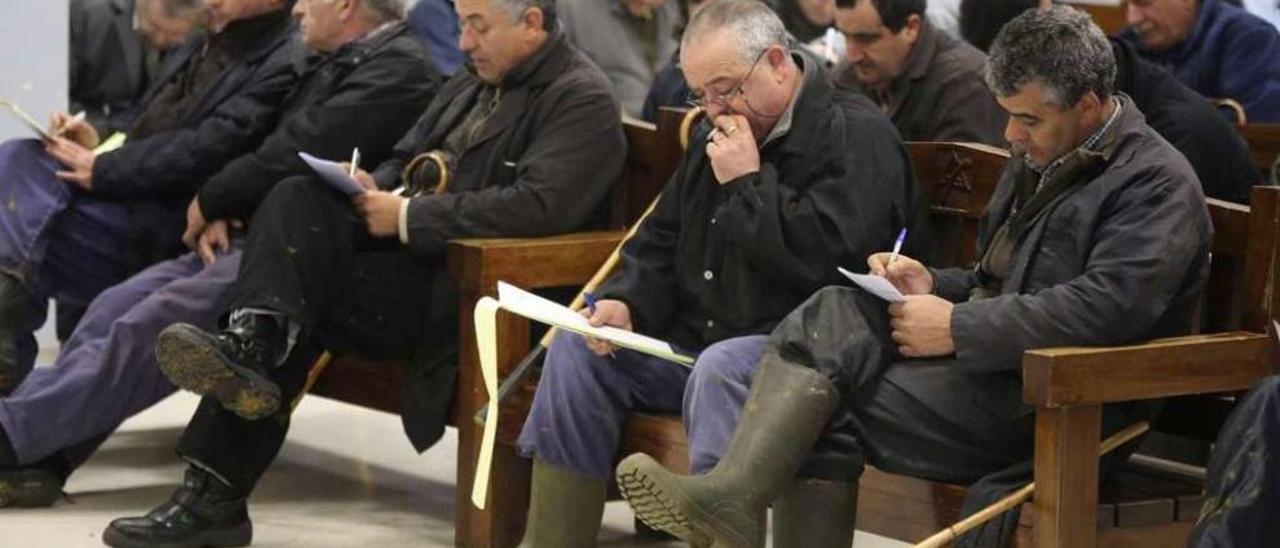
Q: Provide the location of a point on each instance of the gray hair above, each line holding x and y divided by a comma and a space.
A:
516, 8
753, 24
1058, 47
385, 10
180, 9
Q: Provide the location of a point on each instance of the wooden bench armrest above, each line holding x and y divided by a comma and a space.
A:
1058, 377
530, 263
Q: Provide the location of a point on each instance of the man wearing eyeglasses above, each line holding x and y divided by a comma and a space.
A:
929, 83
785, 181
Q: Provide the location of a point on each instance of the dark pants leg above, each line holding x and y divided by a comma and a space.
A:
107, 370
309, 257
582, 401
926, 418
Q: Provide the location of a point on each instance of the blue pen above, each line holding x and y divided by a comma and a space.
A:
897, 245
591, 301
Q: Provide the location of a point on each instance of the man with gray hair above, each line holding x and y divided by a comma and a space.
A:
1096, 235
785, 181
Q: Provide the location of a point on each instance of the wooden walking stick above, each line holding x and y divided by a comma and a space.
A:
1018, 497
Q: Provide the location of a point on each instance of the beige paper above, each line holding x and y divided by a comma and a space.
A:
486, 318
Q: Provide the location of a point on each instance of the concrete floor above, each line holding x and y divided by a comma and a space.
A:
346, 477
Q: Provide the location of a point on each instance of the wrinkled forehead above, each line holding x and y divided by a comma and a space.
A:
711, 58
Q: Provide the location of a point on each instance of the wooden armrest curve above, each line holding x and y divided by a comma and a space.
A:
478, 264
1200, 364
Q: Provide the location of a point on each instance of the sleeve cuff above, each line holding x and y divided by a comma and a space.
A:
403, 224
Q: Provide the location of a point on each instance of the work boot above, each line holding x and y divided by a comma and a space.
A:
13, 320
233, 365
813, 513
788, 409
203, 512
564, 509
35, 486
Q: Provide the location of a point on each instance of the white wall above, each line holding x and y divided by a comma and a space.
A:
33, 60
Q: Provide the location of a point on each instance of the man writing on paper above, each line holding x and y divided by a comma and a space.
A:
784, 183
364, 83
527, 143
77, 223
1096, 235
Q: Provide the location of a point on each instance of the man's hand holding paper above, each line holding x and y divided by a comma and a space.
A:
607, 312
907, 274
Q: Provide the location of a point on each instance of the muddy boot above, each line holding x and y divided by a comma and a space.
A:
232, 365
564, 509
13, 321
203, 512
814, 513
788, 409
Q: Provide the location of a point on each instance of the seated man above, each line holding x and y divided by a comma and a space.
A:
1096, 235
1217, 49
793, 181
527, 145
628, 39
115, 53
365, 84
78, 223
929, 83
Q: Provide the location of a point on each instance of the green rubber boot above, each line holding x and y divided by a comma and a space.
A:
788, 409
564, 509
814, 513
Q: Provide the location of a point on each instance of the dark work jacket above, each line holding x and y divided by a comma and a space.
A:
1190, 123
1230, 53
157, 175
1119, 259
940, 95
718, 261
364, 94
109, 70
542, 164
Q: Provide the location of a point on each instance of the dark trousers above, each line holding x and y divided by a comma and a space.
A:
310, 257
933, 418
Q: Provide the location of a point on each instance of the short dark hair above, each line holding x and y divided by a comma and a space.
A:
894, 13
516, 8
1058, 47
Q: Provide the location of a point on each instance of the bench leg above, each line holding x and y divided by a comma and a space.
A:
501, 523
1066, 475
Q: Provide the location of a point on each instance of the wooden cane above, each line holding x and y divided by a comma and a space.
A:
525, 366
1018, 497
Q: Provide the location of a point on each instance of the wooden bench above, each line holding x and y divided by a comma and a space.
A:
1110, 18
1264, 144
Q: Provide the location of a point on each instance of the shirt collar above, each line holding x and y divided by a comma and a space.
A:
783, 126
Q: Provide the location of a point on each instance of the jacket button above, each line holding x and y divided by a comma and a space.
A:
708, 275
713, 220
711, 324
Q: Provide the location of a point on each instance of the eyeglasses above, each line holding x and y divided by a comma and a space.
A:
722, 100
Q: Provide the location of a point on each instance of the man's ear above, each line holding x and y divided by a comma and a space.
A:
911, 30
533, 18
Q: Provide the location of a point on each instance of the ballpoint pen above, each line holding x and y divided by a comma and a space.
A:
897, 245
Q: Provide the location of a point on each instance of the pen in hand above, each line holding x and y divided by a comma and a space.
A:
355, 161
897, 246
590, 298
62, 129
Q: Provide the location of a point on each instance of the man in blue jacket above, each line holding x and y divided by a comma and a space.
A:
76, 222
1215, 48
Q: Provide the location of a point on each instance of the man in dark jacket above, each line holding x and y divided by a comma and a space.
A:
793, 180
1217, 49
1214, 149
115, 53
78, 223
1097, 235
929, 83
528, 144
364, 84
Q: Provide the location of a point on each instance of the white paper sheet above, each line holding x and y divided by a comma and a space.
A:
486, 314
26, 119
332, 173
552, 313
878, 286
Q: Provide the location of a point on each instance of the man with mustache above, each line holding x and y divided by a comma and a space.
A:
1215, 48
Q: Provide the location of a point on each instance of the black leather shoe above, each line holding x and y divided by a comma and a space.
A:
32, 487
13, 319
203, 512
231, 365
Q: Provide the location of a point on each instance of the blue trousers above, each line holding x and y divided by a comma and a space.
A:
60, 240
583, 399
107, 370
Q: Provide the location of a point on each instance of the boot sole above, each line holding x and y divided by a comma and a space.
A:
188, 359
30, 491
659, 504
241, 535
